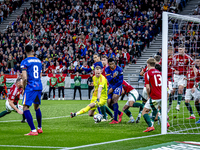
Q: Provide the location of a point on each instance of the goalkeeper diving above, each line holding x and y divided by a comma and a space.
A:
99, 97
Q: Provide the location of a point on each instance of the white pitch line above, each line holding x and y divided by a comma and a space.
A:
83, 146
115, 141
32, 146
43, 118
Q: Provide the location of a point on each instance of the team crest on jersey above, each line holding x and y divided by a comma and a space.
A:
117, 72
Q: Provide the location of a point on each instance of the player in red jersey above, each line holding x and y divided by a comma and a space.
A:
181, 61
104, 61
152, 77
12, 100
196, 91
132, 95
190, 77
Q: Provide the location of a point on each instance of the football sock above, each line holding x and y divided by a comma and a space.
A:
147, 119
3, 113
84, 110
29, 119
179, 99
111, 107
170, 99
139, 105
103, 111
198, 108
189, 108
115, 108
154, 113
39, 117
108, 111
128, 113
23, 117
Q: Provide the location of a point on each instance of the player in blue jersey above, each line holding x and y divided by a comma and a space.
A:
114, 76
97, 62
32, 85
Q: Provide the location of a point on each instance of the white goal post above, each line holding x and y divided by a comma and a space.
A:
165, 30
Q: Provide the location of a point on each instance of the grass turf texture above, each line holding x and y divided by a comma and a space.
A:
81, 130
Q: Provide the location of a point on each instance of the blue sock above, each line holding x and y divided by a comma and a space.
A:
29, 119
39, 117
115, 108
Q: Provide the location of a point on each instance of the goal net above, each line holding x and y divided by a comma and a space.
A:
180, 96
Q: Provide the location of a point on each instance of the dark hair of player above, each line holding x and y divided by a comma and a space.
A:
158, 67
198, 57
157, 58
110, 60
151, 62
18, 79
181, 46
96, 54
28, 48
104, 56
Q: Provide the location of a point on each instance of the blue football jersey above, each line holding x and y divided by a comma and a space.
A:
33, 66
117, 81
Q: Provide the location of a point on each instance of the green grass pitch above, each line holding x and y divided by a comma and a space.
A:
62, 131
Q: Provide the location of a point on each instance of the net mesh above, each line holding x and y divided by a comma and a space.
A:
183, 115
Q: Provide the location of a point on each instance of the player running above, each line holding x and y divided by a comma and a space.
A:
181, 61
32, 85
153, 85
132, 95
114, 76
13, 98
99, 97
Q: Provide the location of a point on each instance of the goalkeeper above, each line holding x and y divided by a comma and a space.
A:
99, 97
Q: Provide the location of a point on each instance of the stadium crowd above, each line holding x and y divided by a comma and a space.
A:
65, 34
7, 7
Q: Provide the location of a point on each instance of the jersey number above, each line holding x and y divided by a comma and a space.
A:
35, 71
156, 78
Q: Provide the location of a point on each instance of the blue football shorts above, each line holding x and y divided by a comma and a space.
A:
117, 91
31, 97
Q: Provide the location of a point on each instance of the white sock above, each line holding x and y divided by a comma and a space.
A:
34, 130
39, 128
131, 117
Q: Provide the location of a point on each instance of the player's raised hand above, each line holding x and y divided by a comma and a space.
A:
114, 75
19, 112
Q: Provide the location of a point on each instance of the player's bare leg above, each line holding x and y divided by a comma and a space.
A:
180, 92
29, 120
38, 117
91, 113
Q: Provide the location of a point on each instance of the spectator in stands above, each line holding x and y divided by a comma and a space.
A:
77, 85
61, 85
160, 52
12, 71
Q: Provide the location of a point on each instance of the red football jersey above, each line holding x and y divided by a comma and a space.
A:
181, 63
153, 77
198, 76
190, 74
127, 87
145, 69
14, 94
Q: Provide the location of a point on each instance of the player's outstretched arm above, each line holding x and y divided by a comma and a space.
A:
24, 78
148, 89
11, 103
99, 92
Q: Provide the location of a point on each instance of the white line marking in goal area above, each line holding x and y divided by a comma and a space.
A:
44, 118
83, 146
115, 141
